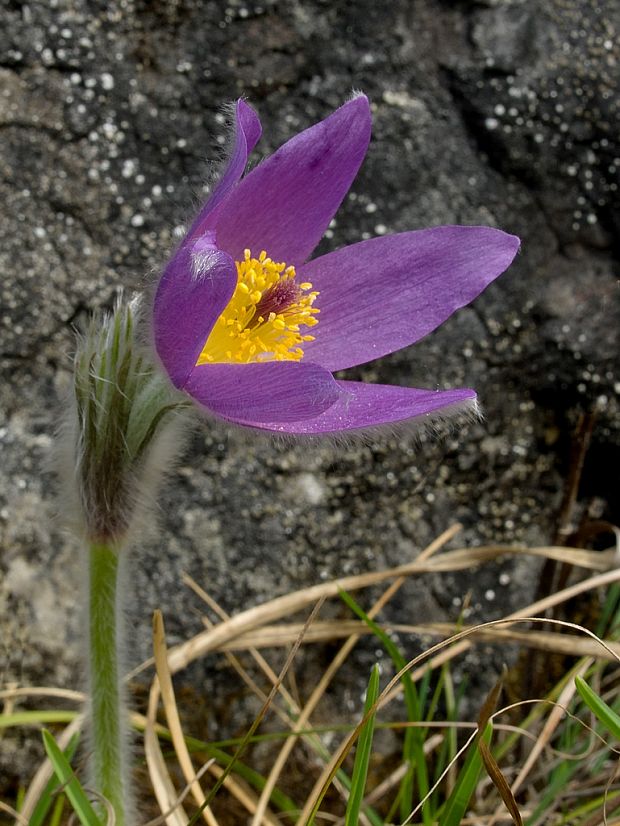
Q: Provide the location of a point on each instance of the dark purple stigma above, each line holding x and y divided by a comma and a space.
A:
276, 299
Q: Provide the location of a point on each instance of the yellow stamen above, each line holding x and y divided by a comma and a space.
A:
263, 318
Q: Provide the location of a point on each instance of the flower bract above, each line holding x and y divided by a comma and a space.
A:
252, 328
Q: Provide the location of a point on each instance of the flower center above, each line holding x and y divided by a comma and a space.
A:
261, 321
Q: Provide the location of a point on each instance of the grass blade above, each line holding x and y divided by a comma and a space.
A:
413, 746
362, 754
57, 811
72, 786
466, 783
603, 713
45, 802
36, 718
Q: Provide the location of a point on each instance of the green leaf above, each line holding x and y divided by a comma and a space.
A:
362, 754
606, 715
45, 802
72, 786
413, 745
466, 783
35, 718
57, 811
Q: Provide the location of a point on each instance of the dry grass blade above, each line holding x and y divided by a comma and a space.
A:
579, 558
391, 689
556, 642
465, 558
45, 770
19, 818
610, 781
278, 764
172, 716
393, 779
9, 703
500, 782
273, 636
36, 691
563, 710
489, 705
330, 770
208, 766
493, 770
244, 795
167, 797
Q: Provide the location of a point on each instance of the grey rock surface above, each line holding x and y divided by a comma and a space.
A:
502, 113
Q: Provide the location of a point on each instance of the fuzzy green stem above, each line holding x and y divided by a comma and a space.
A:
108, 715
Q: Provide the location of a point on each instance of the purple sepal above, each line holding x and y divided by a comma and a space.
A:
285, 205
365, 406
247, 134
195, 288
383, 294
261, 392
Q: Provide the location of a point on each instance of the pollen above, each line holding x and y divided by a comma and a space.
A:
267, 317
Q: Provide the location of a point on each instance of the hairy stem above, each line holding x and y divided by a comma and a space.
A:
108, 714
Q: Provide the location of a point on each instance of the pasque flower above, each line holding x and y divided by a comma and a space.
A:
252, 330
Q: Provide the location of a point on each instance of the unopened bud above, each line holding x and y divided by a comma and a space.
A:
126, 427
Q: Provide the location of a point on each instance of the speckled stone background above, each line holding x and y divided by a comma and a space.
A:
502, 112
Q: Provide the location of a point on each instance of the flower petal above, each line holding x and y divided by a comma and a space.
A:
247, 133
383, 294
364, 406
196, 286
261, 392
285, 205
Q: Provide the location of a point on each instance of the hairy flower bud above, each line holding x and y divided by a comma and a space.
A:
125, 428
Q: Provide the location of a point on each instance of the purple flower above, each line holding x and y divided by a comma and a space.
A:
252, 331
